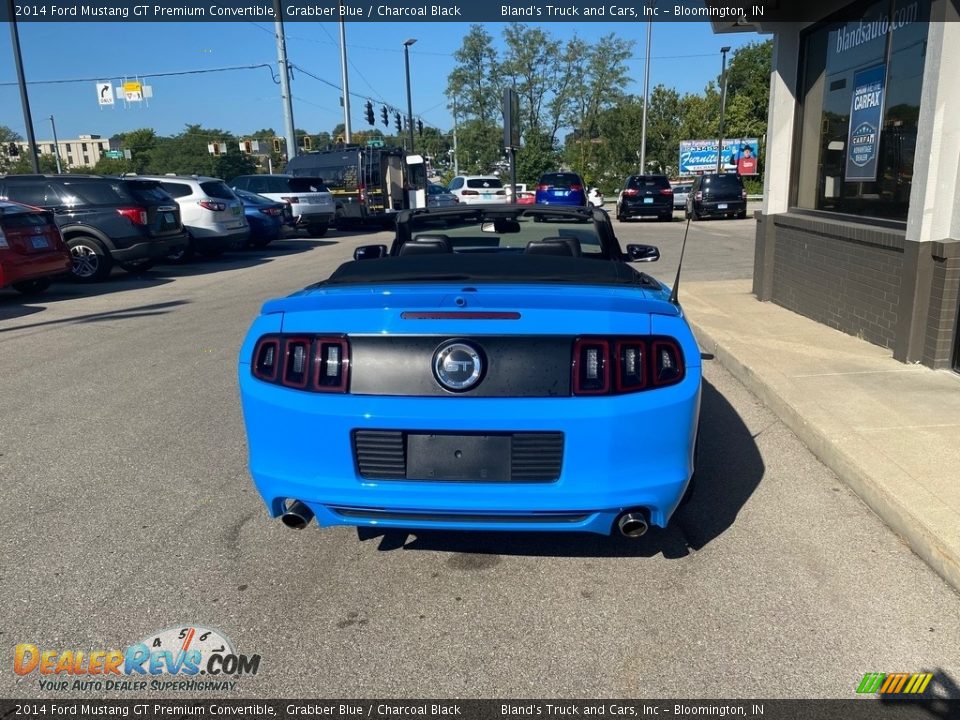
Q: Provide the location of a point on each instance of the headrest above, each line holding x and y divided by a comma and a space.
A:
426, 245
568, 246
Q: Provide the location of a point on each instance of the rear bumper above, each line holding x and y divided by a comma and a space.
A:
206, 240
33, 267
713, 209
150, 249
635, 209
626, 452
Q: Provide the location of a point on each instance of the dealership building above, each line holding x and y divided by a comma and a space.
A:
860, 226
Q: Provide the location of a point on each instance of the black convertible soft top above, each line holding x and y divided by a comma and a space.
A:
488, 267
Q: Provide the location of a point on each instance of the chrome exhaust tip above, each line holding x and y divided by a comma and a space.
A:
632, 524
297, 516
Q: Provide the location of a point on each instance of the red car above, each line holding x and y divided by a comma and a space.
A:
32, 250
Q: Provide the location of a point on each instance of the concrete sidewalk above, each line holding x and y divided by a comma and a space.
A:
890, 431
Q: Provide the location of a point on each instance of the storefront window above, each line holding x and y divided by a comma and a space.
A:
860, 90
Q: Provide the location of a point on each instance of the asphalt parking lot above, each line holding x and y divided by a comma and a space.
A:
128, 509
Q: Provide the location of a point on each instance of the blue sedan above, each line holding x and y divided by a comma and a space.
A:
267, 218
494, 369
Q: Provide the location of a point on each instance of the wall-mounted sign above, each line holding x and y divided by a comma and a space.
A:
866, 118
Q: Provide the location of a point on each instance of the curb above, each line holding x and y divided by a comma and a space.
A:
940, 556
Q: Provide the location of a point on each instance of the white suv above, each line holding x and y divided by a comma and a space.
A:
473, 189
211, 214
309, 199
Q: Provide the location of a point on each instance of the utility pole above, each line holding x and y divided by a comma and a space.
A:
21, 80
56, 145
723, 106
646, 92
284, 81
406, 60
347, 138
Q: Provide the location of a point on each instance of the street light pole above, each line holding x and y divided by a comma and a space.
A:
723, 106
21, 80
406, 60
646, 92
56, 144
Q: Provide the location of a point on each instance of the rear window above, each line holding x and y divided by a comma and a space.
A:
217, 189
148, 191
725, 183
265, 184
17, 219
303, 185
35, 193
178, 190
95, 192
484, 183
561, 180
648, 181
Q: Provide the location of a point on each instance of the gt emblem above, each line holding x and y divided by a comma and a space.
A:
457, 366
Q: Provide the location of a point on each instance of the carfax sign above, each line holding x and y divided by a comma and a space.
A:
866, 116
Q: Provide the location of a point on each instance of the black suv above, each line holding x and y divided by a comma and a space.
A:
717, 195
645, 196
104, 220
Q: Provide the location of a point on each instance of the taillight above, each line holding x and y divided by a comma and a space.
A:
631, 192
138, 216
743, 194
455, 198
362, 192
542, 187
501, 192
469, 192
291, 200
271, 211
316, 363
577, 188
213, 205
666, 191
620, 365
591, 363
698, 196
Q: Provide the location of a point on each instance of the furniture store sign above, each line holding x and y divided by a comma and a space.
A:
866, 117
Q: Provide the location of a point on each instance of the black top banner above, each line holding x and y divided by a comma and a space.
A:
733, 13
411, 709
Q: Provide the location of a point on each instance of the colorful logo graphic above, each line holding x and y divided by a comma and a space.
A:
894, 683
186, 651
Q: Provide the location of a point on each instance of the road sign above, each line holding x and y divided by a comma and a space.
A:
375, 143
104, 93
133, 91
114, 154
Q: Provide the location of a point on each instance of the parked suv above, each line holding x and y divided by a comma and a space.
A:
212, 214
103, 220
311, 202
717, 195
645, 196
561, 188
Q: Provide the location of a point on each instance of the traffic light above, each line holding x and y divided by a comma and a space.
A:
306, 142
276, 145
371, 120
248, 147
420, 128
385, 116
216, 148
398, 122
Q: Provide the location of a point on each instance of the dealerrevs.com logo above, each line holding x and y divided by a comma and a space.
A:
187, 658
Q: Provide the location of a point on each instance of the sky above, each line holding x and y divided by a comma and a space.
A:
685, 56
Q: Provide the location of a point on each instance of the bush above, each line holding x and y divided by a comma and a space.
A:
753, 185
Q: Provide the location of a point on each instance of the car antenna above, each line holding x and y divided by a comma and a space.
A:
676, 282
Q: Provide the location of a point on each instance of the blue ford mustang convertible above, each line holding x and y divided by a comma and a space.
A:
497, 368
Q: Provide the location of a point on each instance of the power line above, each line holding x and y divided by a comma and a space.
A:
149, 75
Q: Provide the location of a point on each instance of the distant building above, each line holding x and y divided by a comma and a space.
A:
84, 151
